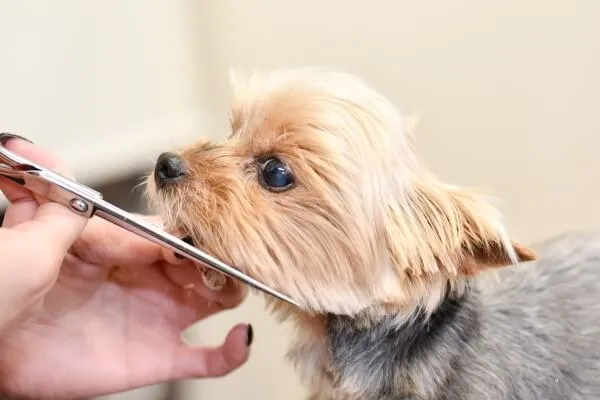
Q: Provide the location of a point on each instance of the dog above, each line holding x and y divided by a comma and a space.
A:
409, 287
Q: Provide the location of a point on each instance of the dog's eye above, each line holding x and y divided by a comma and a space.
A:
275, 175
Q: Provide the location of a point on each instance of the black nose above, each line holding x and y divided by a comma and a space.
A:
169, 169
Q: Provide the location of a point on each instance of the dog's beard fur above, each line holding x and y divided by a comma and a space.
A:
366, 231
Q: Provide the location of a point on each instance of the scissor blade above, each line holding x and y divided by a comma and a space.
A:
145, 229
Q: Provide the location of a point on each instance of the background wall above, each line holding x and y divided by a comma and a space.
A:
507, 92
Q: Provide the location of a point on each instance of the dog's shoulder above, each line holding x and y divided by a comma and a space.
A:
584, 243
570, 260
565, 260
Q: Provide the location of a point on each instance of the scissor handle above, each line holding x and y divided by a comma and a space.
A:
45, 183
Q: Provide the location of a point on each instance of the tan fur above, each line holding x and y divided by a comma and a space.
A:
367, 229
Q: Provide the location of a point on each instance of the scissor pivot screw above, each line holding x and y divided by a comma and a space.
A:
78, 205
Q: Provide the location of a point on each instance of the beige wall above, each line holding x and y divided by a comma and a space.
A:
508, 93
122, 79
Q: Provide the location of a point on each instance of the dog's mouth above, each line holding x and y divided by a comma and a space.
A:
178, 230
189, 240
195, 240
198, 242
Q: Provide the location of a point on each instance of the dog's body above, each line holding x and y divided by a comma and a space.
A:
532, 334
318, 193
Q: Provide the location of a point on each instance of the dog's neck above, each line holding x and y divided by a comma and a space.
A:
386, 356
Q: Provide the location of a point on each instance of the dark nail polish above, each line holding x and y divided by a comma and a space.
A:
249, 335
6, 137
188, 240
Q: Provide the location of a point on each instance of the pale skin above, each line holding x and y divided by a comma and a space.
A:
87, 308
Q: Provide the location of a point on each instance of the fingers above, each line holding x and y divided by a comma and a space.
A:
38, 155
105, 243
56, 225
46, 159
189, 277
51, 223
170, 257
22, 204
207, 362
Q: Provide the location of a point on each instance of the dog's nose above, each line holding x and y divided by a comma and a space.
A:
169, 169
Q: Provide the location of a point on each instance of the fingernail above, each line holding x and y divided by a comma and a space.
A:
249, 335
6, 137
188, 240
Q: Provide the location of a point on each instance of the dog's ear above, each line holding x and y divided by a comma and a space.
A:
443, 229
484, 242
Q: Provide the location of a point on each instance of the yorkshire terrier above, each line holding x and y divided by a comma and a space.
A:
317, 192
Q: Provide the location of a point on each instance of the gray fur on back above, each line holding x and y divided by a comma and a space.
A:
534, 334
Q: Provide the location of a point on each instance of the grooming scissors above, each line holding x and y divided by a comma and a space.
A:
85, 201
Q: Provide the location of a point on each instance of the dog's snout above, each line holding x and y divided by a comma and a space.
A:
169, 168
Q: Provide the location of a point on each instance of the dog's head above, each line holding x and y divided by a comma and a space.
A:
317, 193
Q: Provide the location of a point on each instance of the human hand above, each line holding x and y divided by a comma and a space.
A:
95, 309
